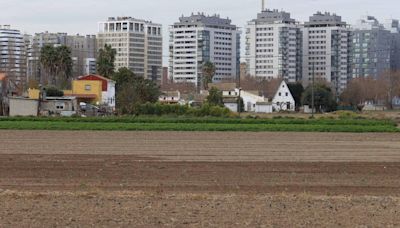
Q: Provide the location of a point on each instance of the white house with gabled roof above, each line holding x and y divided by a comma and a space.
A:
283, 99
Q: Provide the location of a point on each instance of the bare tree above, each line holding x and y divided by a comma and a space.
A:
361, 90
390, 82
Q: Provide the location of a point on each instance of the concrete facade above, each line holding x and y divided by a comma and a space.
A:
23, 106
393, 26
138, 44
327, 47
371, 48
59, 106
273, 46
13, 55
196, 39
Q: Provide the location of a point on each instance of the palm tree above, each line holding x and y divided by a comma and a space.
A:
64, 65
208, 74
56, 64
47, 59
105, 61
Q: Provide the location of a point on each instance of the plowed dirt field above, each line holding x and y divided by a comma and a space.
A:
205, 179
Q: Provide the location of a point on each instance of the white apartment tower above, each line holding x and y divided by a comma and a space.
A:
138, 44
327, 46
196, 39
273, 46
13, 55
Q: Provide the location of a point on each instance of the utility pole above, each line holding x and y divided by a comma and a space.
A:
239, 99
312, 91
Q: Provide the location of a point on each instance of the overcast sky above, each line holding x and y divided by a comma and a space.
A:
81, 16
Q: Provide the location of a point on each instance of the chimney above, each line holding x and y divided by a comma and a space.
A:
263, 5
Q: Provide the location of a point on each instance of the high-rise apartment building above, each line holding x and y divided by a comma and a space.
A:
393, 26
13, 55
138, 44
82, 49
199, 38
273, 46
371, 48
327, 46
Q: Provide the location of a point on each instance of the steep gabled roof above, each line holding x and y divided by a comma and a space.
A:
272, 88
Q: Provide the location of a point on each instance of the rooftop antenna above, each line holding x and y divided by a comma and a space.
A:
263, 5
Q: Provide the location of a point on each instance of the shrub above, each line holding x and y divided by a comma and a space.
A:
53, 92
181, 110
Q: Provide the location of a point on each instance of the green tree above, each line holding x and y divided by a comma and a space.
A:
215, 97
133, 91
123, 76
64, 66
208, 74
324, 100
56, 64
105, 61
297, 91
47, 61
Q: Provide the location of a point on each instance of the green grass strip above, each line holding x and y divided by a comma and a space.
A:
107, 126
209, 120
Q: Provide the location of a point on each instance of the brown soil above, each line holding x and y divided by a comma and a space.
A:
177, 179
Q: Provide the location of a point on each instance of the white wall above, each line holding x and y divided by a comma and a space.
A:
264, 108
250, 100
231, 106
23, 107
108, 96
282, 97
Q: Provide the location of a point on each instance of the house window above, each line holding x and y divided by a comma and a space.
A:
287, 94
280, 94
59, 106
88, 87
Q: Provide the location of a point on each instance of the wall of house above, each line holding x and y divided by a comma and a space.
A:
88, 87
23, 107
60, 107
108, 97
232, 106
250, 101
232, 93
264, 108
282, 97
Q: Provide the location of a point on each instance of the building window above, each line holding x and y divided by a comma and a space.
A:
287, 94
280, 94
59, 106
88, 87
